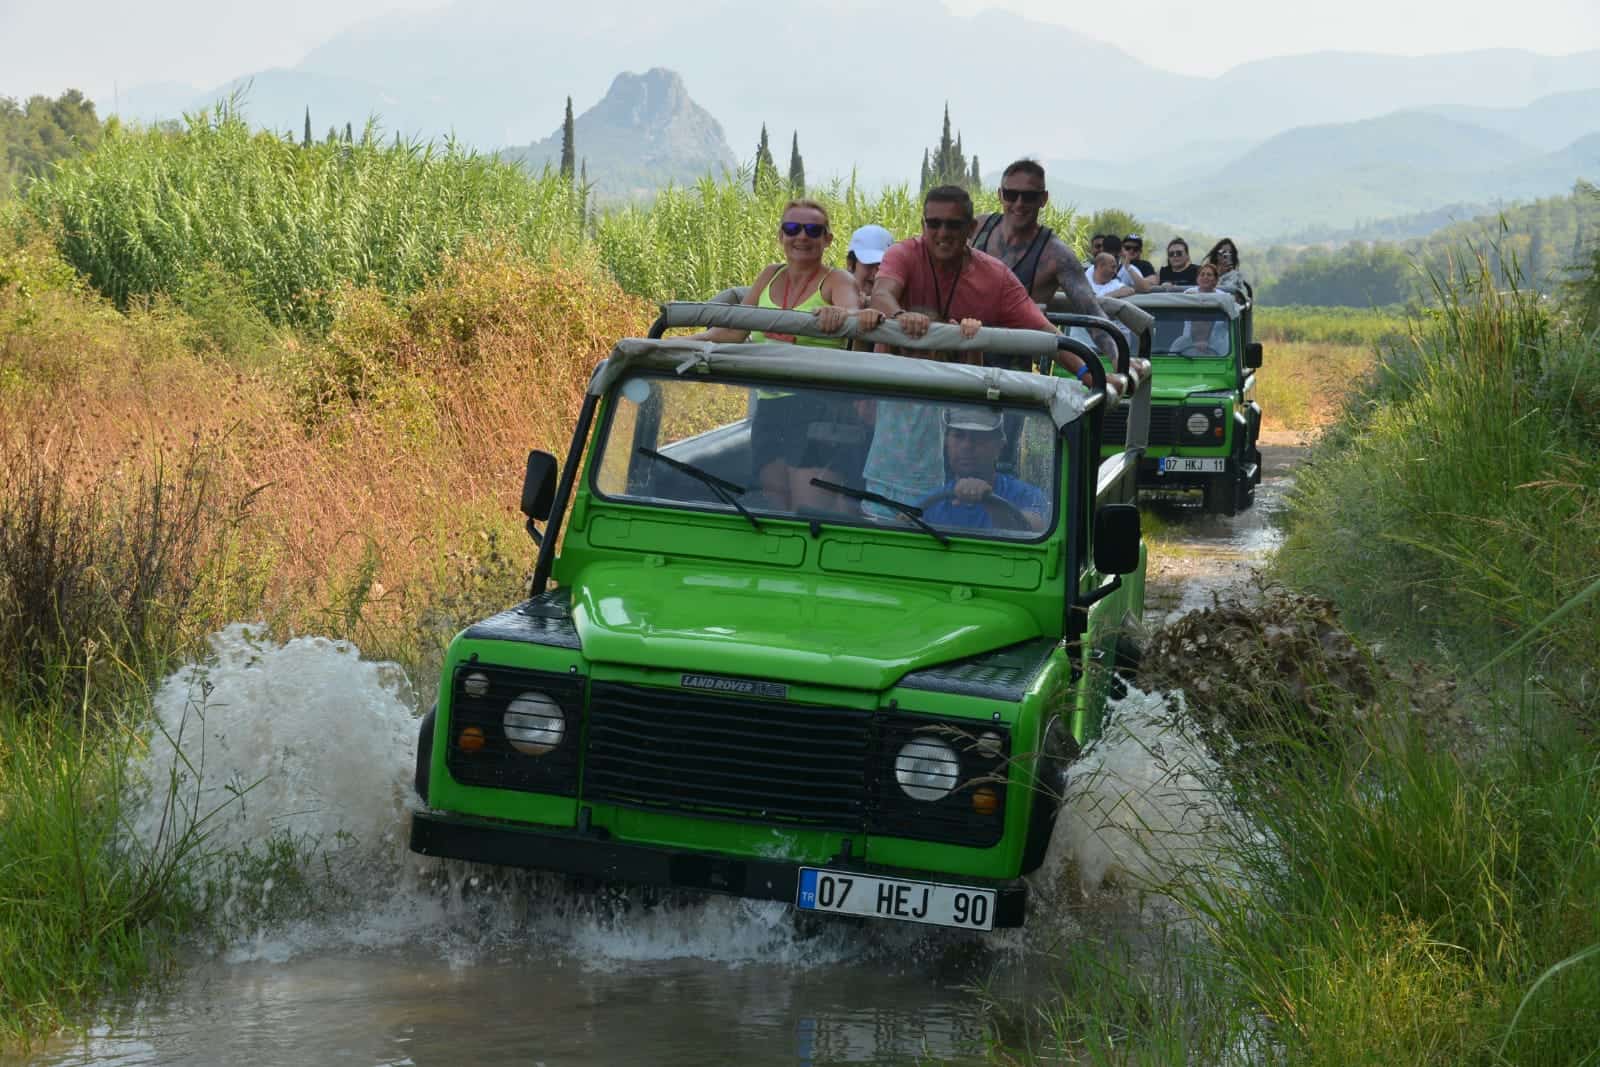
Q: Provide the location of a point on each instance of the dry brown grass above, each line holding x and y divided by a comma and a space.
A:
395, 507
1303, 384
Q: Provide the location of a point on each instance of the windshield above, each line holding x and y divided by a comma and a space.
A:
830, 455
1195, 332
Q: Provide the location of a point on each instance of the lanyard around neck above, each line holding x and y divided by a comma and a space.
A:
943, 303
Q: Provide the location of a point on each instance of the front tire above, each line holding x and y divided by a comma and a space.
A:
425, 754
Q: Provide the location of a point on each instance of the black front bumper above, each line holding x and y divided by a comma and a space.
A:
595, 856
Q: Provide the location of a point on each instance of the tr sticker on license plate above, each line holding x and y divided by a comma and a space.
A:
895, 898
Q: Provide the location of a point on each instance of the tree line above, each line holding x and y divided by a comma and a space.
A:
43, 131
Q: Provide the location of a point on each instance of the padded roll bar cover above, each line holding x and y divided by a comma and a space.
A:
1136, 319
940, 337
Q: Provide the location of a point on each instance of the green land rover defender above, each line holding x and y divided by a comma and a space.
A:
826, 625
1204, 419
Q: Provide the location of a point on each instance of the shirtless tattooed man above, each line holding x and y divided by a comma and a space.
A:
1041, 261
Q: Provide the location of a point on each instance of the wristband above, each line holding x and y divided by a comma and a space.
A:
1083, 372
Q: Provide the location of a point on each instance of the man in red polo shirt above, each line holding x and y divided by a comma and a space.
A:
958, 284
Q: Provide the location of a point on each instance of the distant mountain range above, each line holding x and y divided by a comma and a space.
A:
645, 132
496, 73
1342, 175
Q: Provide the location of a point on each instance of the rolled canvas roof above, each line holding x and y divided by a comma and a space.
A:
1219, 301
1064, 398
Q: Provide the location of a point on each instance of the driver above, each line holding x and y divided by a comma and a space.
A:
977, 496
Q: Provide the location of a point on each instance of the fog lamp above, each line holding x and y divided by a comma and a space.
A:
475, 684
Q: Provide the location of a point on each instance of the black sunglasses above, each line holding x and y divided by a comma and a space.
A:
792, 229
948, 224
1028, 196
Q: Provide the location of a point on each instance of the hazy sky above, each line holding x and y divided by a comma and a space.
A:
94, 44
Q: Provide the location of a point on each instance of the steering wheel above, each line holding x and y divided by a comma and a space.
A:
1003, 513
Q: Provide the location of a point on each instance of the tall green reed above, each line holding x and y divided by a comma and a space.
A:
151, 210
1460, 496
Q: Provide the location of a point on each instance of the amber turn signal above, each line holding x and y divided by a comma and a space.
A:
470, 739
985, 801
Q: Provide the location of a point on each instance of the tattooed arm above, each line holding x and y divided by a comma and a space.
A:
1060, 263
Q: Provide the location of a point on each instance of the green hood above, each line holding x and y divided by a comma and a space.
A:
1174, 379
793, 627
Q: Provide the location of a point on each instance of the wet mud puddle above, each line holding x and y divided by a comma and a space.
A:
1197, 557
371, 955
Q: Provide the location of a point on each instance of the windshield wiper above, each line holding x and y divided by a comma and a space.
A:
728, 492
912, 513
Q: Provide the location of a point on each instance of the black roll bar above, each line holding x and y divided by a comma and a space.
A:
1106, 326
558, 510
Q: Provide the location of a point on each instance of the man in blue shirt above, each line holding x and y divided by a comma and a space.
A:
977, 496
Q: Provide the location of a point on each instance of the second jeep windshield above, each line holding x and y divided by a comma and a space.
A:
1194, 333
967, 469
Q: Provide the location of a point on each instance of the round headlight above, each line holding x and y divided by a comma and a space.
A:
534, 724
989, 743
475, 684
1198, 423
927, 769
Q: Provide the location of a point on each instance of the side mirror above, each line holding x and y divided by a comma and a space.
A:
1252, 354
539, 486
1116, 539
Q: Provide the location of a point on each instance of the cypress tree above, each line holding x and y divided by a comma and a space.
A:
349, 134
797, 167
977, 175
927, 173
943, 158
305, 141
766, 170
568, 148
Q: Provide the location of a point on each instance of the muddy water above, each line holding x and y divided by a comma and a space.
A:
369, 955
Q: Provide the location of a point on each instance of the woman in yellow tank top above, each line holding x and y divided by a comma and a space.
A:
782, 464
802, 282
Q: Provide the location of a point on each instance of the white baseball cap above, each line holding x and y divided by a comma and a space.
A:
869, 243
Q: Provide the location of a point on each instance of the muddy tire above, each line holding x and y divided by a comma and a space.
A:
1125, 668
1222, 496
424, 754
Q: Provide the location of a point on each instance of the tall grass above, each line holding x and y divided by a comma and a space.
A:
150, 211
1460, 495
689, 243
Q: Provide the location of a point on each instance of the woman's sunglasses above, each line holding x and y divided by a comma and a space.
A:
813, 229
1028, 196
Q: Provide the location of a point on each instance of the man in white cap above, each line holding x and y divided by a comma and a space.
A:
867, 246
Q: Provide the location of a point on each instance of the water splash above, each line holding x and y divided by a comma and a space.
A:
1146, 807
296, 758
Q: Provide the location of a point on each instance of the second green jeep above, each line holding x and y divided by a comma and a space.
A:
1205, 423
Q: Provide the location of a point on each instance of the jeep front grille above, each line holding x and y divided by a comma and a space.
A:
761, 761
1163, 425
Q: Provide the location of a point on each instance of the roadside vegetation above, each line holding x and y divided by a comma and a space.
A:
242, 378
1412, 875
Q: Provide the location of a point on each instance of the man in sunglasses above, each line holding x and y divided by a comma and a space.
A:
955, 283
1041, 261
1133, 255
